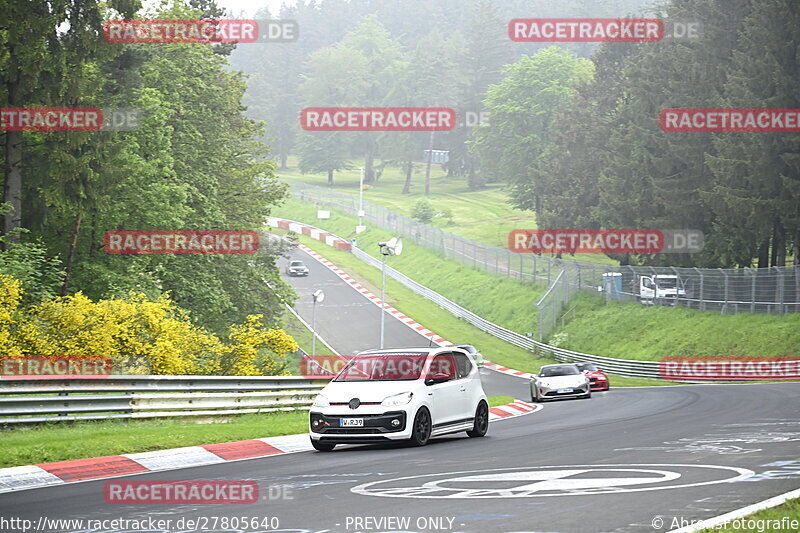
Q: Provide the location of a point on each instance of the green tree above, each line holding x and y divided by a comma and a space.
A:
522, 107
757, 175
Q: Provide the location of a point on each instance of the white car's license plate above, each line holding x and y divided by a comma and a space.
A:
352, 422
564, 391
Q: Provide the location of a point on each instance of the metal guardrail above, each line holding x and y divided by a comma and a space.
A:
774, 290
620, 367
40, 400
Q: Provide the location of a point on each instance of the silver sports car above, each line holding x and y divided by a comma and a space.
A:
559, 381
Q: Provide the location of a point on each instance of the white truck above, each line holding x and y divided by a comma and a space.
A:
660, 289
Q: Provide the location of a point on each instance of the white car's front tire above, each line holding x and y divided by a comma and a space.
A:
421, 428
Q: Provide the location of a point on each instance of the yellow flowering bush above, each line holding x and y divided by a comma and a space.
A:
10, 296
246, 356
140, 336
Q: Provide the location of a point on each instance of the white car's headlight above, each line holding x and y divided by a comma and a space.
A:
321, 401
397, 399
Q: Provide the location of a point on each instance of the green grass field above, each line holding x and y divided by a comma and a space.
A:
628, 331
441, 321
483, 215
775, 520
64, 441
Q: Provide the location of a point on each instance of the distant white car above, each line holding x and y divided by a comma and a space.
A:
559, 381
400, 394
476, 355
297, 268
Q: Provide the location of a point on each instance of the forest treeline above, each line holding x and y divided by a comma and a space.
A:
195, 162
573, 130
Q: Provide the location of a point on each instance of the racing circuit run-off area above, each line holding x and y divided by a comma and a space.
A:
441, 266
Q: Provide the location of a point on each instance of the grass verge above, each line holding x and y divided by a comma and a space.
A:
776, 519
494, 401
63, 441
484, 215
629, 331
451, 328
622, 330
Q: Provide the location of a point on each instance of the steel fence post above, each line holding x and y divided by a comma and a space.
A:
780, 291
725, 305
702, 301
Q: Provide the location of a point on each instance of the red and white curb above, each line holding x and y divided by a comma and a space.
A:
341, 244
511, 410
506, 370
18, 478
315, 233
408, 321
47, 474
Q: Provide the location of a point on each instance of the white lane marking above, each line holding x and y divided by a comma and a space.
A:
552, 480
24, 477
558, 476
712, 523
175, 458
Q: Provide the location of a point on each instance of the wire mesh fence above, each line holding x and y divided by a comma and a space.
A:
773, 290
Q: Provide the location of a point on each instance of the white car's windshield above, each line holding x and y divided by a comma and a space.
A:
383, 367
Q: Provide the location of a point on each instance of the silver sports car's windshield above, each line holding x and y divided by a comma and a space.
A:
554, 371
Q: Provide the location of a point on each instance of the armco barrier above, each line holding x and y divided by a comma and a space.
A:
24, 400
774, 290
620, 367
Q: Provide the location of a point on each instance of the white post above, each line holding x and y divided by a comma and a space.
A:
314, 328
361, 198
383, 292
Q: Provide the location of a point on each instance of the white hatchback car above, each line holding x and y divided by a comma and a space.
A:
400, 394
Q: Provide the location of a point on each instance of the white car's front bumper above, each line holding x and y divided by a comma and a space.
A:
380, 424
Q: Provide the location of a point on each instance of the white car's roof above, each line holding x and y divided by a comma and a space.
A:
421, 350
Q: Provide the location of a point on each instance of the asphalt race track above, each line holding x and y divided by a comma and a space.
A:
345, 319
636, 459
611, 463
